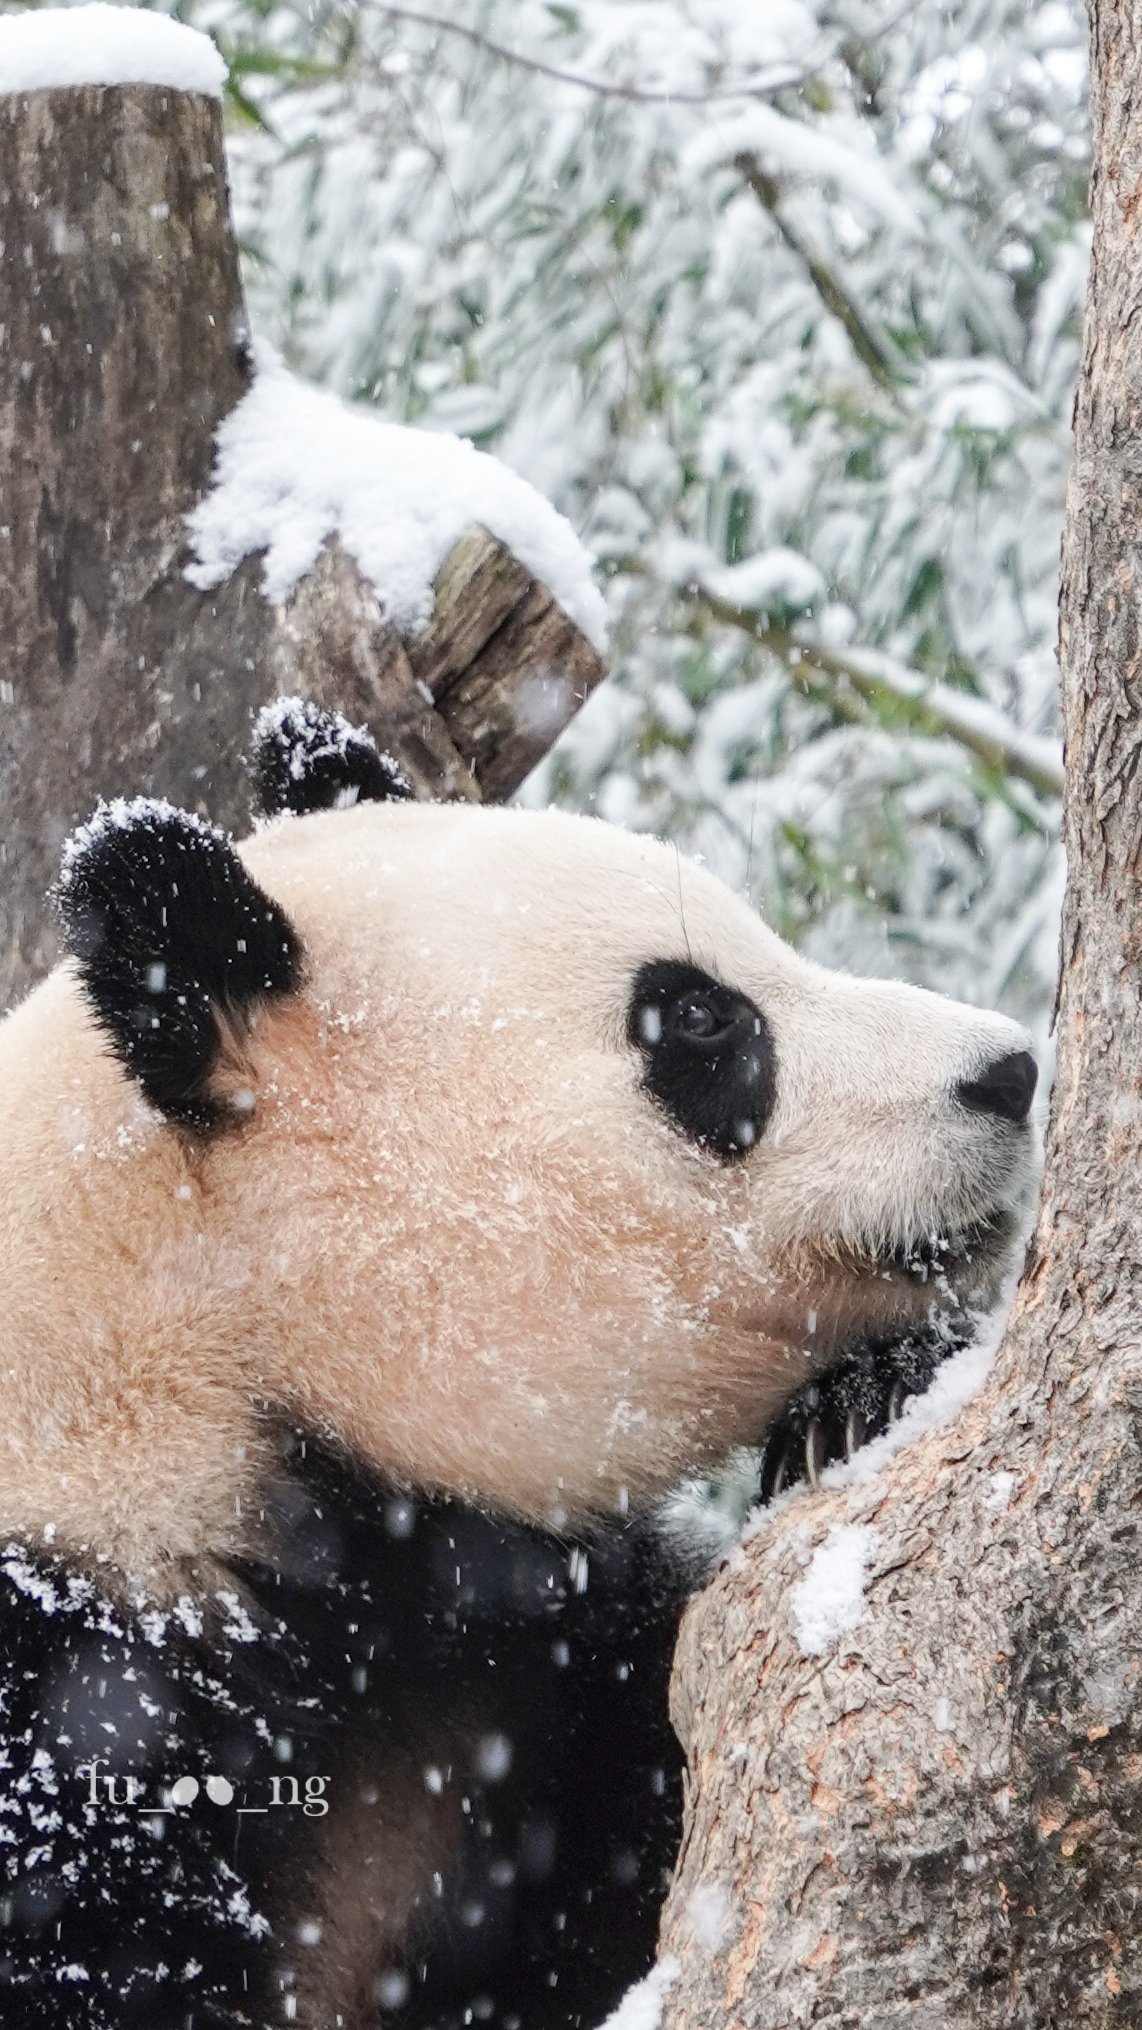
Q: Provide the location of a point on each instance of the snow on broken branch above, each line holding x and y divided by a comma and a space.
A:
409, 580
297, 466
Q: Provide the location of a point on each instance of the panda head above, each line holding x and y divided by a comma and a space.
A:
508, 1151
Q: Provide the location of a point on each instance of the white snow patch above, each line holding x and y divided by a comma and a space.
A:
251, 1921
981, 395
829, 1601
189, 1615
708, 1909
775, 576
641, 2006
26, 1579
101, 45
296, 465
153, 1624
1000, 1489
238, 1626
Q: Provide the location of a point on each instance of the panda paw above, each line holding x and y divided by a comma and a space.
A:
842, 1410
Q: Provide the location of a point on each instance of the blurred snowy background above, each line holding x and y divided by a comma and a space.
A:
780, 302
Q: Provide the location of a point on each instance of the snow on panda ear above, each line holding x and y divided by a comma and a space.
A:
304, 758
176, 947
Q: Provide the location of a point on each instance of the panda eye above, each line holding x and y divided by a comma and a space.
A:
695, 1017
707, 1056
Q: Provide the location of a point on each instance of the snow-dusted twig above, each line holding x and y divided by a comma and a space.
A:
884, 363
778, 78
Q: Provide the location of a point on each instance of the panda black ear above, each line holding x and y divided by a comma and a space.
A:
176, 947
304, 758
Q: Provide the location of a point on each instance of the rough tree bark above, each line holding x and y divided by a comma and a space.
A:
122, 347
940, 1824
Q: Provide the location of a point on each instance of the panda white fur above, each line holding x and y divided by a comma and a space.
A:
394, 1209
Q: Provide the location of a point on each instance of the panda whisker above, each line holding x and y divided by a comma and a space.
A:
682, 904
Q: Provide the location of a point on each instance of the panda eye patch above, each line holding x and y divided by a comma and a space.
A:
707, 1055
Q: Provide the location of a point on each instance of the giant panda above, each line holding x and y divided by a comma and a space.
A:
396, 1209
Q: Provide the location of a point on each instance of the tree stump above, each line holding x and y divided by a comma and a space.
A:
122, 347
939, 1824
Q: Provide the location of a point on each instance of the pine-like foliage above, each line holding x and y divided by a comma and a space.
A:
779, 300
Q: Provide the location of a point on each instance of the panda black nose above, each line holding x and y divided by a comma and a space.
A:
1006, 1087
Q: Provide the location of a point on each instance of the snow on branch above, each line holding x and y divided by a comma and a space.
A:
297, 466
935, 707
103, 45
789, 147
874, 348
927, 705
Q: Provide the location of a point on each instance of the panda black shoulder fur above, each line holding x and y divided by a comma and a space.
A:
394, 1211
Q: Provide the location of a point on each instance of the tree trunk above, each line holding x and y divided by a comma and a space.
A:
122, 347
940, 1823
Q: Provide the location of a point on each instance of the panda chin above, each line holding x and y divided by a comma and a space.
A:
966, 1258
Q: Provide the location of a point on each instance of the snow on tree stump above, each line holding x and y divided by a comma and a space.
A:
123, 349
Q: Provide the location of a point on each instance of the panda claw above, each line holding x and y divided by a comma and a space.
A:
863, 1396
814, 1451
775, 1470
856, 1431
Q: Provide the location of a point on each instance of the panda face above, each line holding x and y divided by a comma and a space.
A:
649, 1169
550, 1176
